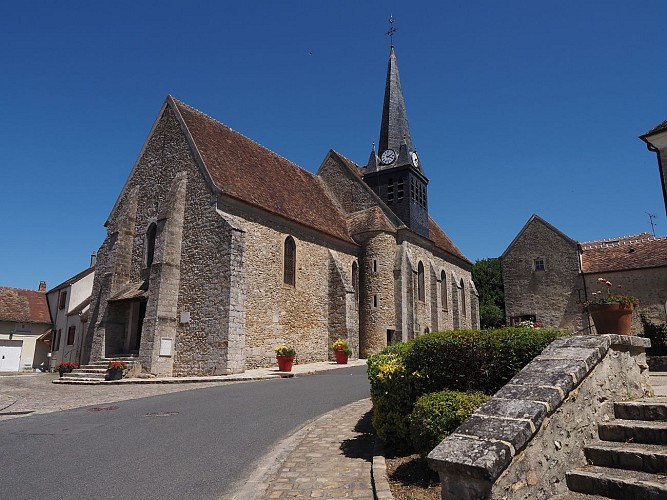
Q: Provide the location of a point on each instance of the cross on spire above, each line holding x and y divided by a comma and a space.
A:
392, 30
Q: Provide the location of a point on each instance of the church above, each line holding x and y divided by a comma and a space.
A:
218, 249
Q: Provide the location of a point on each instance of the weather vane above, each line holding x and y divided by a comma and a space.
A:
392, 30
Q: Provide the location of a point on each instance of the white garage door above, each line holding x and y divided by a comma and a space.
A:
10, 355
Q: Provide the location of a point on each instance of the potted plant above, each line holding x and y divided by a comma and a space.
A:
65, 367
342, 351
115, 370
611, 311
285, 356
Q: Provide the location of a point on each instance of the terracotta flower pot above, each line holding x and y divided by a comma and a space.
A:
611, 318
285, 363
341, 357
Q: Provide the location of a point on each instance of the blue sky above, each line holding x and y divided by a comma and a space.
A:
515, 107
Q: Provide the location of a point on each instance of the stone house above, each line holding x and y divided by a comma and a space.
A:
69, 304
218, 249
548, 276
25, 329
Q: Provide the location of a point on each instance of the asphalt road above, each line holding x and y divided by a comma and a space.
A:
194, 444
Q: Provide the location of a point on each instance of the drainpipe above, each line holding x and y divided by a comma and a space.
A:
583, 279
652, 148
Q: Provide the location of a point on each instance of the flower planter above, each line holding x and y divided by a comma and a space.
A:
285, 363
114, 374
341, 357
611, 318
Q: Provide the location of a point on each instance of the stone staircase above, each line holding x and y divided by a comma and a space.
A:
94, 372
630, 459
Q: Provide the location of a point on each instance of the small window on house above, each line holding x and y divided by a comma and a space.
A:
71, 334
420, 282
375, 265
375, 300
443, 290
355, 280
150, 244
56, 341
289, 262
62, 299
463, 298
538, 264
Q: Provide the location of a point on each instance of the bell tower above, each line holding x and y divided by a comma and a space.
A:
394, 172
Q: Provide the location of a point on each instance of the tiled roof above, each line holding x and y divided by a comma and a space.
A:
29, 306
624, 254
242, 169
442, 241
658, 128
132, 290
371, 219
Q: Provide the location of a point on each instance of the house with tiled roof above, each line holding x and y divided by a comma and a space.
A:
25, 328
218, 249
69, 306
548, 276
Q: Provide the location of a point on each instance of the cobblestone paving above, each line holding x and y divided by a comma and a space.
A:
332, 460
22, 395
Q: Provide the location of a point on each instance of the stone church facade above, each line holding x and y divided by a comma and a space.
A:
218, 249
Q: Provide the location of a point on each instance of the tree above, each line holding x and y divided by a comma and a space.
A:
488, 277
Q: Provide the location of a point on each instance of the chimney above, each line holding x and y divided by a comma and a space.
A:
42, 286
93, 259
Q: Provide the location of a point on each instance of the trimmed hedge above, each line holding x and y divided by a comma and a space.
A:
474, 360
438, 414
468, 360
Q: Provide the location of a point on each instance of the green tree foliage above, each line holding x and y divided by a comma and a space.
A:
488, 277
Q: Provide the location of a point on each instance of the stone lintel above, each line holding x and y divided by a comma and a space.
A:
514, 432
515, 409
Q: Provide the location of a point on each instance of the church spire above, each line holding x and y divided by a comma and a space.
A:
394, 128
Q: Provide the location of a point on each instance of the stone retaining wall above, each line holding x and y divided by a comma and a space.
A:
519, 444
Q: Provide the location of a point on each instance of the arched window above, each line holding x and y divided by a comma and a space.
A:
463, 299
355, 280
420, 282
443, 290
289, 262
150, 243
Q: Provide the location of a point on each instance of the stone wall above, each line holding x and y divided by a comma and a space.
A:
648, 285
553, 295
519, 444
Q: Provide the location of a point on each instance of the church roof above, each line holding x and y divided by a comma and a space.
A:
19, 305
371, 219
242, 169
442, 241
639, 251
394, 128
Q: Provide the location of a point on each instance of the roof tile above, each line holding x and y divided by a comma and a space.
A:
17, 304
624, 254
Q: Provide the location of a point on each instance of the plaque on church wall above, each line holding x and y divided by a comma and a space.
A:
166, 346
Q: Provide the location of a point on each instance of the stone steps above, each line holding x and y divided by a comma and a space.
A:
630, 456
630, 460
95, 371
617, 483
633, 431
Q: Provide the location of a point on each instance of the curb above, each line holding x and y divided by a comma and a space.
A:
379, 478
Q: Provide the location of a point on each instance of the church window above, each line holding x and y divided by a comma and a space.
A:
355, 280
289, 262
538, 264
390, 190
413, 194
399, 189
375, 265
375, 300
463, 298
420, 282
150, 243
443, 290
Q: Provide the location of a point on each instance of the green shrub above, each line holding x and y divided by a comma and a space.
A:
474, 360
436, 415
392, 395
656, 333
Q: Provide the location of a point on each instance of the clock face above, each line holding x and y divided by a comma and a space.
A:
388, 156
415, 160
